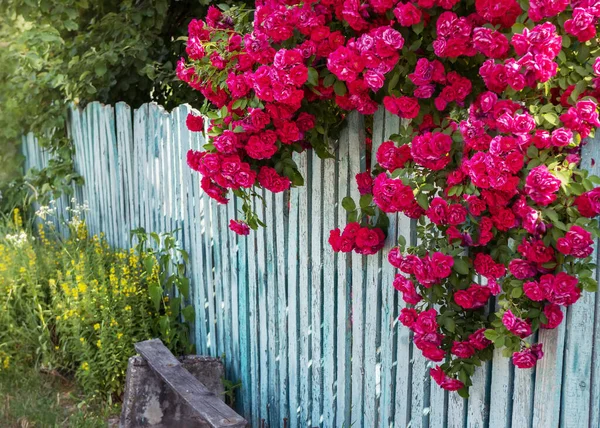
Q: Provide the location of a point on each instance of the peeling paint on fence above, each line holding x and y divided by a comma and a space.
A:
311, 335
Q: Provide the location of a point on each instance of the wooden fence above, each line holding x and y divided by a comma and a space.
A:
311, 335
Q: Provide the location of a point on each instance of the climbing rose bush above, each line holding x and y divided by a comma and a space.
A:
496, 101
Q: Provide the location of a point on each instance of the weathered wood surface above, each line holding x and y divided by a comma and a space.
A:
206, 404
312, 335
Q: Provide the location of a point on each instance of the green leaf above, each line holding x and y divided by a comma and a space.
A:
461, 266
365, 200
183, 285
313, 76
340, 88
155, 292
348, 204
188, 313
490, 334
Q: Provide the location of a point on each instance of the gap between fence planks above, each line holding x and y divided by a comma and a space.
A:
206, 404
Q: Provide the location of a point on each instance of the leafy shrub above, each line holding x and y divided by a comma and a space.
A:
77, 306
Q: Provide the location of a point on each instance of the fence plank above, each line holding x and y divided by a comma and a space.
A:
316, 271
304, 288
343, 319
282, 303
271, 312
372, 302
293, 304
356, 165
329, 288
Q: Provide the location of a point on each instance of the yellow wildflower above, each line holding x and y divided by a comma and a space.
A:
119, 335
96, 326
85, 366
99, 344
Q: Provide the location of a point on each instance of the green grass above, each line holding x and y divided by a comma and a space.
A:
32, 399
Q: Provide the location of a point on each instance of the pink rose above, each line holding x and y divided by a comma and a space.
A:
527, 358
444, 381
407, 14
391, 157
364, 181
532, 290
239, 227
577, 242
478, 340
408, 317
270, 180
194, 123
554, 315
463, 349
561, 289
431, 150
541, 185
521, 269
516, 325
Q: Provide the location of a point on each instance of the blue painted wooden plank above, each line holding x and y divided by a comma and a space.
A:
390, 125
218, 278
402, 410
139, 141
261, 274
548, 378
244, 312
304, 303
478, 408
329, 289
282, 302
116, 197
210, 280
293, 245
254, 329
124, 142
271, 312
95, 148
578, 348
356, 165
119, 197
457, 414
522, 397
372, 304
478, 403
227, 242
343, 295
500, 391
154, 132
316, 287
234, 342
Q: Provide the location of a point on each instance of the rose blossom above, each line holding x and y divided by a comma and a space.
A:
444, 381
516, 325
239, 227
194, 123
554, 315
527, 358
541, 185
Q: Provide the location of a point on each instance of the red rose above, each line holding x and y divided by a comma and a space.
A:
239, 227
478, 340
194, 123
463, 349
554, 315
408, 317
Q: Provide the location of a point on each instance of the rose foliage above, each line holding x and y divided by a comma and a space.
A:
497, 98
